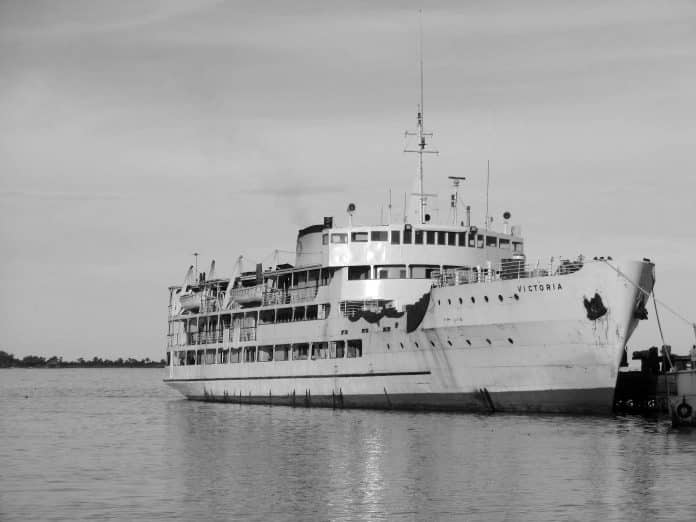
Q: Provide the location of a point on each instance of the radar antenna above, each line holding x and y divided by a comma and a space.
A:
454, 200
420, 133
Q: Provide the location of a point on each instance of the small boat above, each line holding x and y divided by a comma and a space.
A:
190, 301
248, 295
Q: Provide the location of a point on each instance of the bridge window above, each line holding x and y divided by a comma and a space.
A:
430, 237
423, 271
354, 348
313, 277
408, 231
380, 235
324, 311
504, 243
320, 350
339, 238
326, 275
284, 315
479, 241
235, 355
452, 238
300, 278
462, 239
325, 239
491, 241
358, 273
395, 239
266, 316
419, 237
391, 272
282, 352
337, 349
312, 312
516, 246
359, 237
250, 354
265, 353
299, 313
300, 351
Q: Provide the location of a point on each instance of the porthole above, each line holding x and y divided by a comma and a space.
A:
396, 325
402, 345
416, 345
500, 298
438, 302
388, 347
449, 342
460, 301
449, 302
473, 299
517, 297
510, 340
468, 342
485, 298
488, 341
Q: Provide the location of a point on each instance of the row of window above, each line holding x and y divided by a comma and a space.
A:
297, 313
461, 273
349, 349
424, 237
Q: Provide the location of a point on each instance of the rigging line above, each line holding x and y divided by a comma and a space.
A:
659, 323
665, 353
661, 303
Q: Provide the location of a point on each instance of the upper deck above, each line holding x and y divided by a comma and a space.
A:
405, 245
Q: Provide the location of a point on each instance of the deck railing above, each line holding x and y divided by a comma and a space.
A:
294, 295
207, 337
507, 269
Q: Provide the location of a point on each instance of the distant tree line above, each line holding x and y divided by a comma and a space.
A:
7, 360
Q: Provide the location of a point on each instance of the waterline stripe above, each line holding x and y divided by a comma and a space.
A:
330, 376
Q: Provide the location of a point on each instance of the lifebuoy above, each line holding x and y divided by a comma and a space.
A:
684, 410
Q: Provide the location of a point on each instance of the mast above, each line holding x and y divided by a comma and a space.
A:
488, 184
420, 132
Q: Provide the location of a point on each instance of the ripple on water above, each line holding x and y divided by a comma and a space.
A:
118, 444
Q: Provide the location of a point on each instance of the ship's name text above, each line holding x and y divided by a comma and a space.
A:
540, 287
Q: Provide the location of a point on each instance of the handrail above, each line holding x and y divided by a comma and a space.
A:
506, 269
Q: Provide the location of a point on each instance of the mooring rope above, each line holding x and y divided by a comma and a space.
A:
656, 301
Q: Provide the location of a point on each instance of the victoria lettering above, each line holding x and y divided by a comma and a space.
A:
540, 287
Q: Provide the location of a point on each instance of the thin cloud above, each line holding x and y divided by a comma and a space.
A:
58, 195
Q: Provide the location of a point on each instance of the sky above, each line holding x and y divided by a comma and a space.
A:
134, 133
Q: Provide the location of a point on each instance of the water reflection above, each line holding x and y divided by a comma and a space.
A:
92, 444
338, 464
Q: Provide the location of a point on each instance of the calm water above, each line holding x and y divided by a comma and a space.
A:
118, 444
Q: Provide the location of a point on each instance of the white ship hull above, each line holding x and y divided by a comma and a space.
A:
529, 348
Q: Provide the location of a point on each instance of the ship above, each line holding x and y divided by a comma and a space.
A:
409, 314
